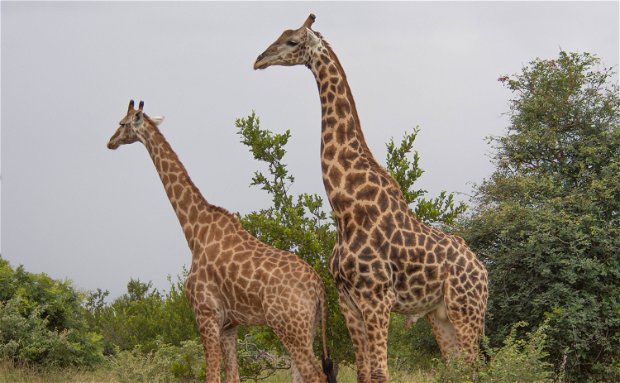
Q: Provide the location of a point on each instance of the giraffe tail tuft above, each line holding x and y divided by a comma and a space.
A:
328, 369
328, 365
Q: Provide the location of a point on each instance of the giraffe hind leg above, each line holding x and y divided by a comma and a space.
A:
298, 340
466, 315
228, 342
305, 368
443, 331
296, 375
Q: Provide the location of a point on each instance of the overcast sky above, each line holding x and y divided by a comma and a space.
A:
76, 210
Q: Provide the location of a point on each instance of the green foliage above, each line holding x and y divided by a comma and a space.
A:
166, 363
410, 349
143, 317
517, 361
257, 363
406, 172
300, 224
42, 322
547, 222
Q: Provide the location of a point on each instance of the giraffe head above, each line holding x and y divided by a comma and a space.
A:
134, 121
293, 47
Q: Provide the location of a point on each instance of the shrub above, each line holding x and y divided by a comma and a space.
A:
42, 321
143, 317
517, 361
410, 349
168, 363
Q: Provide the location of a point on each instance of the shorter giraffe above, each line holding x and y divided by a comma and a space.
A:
234, 279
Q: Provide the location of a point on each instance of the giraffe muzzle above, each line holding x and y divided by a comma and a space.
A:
261, 62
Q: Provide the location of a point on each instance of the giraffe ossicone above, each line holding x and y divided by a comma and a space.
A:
385, 259
235, 279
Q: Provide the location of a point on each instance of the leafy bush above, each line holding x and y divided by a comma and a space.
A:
143, 316
42, 321
256, 362
410, 348
517, 361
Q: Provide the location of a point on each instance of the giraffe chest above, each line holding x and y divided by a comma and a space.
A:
235, 300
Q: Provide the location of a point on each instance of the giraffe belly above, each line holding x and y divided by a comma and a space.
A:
245, 317
418, 296
413, 295
417, 308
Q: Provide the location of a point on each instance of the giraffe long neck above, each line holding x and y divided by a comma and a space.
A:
346, 159
337, 104
187, 201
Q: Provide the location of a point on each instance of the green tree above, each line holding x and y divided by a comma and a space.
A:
300, 223
547, 221
440, 210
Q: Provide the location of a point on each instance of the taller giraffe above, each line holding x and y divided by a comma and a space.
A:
385, 260
235, 279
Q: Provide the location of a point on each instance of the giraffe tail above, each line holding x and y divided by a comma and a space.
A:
328, 365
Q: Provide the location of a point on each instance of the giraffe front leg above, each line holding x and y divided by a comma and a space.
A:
228, 342
376, 313
209, 329
295, 374
357, 332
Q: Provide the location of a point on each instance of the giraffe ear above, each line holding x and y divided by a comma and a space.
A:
138, 117
311, 38
157, 120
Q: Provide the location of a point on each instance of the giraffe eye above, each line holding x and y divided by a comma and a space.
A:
292, 43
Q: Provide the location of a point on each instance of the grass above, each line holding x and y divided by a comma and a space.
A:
20, 374
347, 375
24, 374
518, 360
